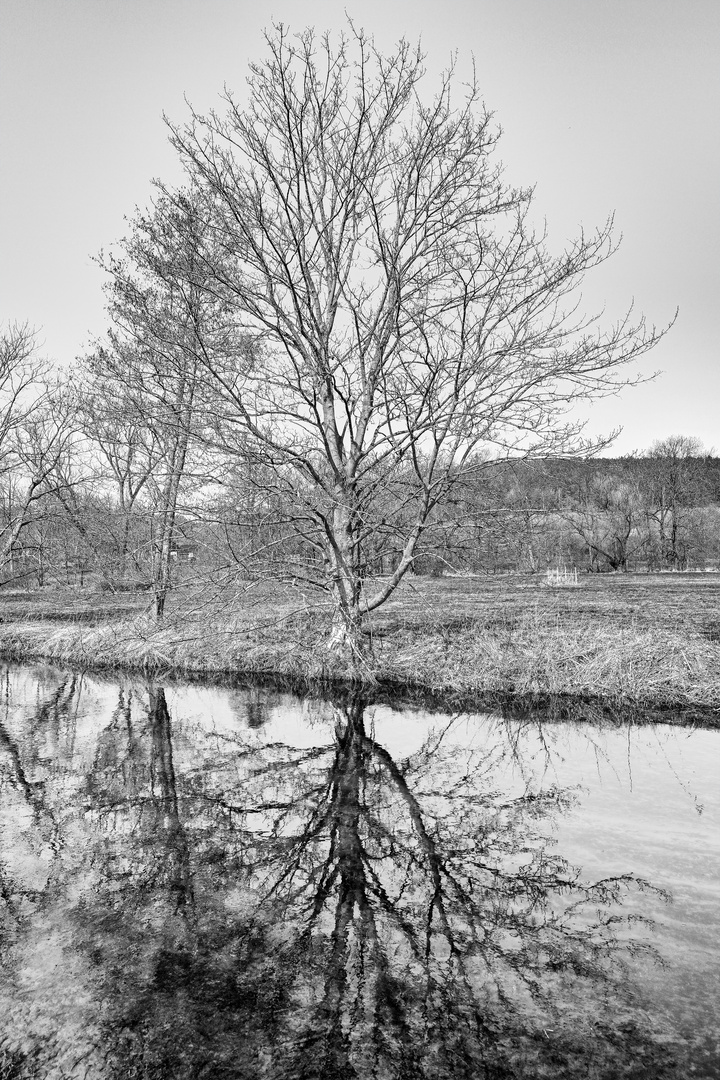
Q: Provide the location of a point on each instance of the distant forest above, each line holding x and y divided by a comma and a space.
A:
659, 510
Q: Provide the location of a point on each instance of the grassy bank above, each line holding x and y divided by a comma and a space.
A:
652, 639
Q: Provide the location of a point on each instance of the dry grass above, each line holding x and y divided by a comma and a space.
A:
532, 656
674, 601
643, 638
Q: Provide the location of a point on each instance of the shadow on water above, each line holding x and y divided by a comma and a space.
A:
271, 910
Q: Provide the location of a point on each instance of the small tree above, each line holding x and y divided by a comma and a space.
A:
674, 487
403, 311
36, 430
608, 516
103, 496
163, 323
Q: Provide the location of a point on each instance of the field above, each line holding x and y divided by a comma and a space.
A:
671, 601
642, 639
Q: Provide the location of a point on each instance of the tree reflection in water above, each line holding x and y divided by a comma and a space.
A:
269, 911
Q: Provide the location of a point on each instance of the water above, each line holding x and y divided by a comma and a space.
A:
213, 882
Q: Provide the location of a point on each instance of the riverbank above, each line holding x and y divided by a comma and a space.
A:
628, 639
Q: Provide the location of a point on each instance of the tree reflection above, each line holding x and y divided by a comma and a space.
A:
133, 789
429, 930
332, 911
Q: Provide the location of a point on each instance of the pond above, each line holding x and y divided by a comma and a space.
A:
237, 882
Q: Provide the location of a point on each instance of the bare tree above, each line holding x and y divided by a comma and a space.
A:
123, 452
36, 429
21, 378
674, 489
162, 321
609, 517
403, 310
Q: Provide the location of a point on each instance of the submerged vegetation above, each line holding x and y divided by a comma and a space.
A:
626, 639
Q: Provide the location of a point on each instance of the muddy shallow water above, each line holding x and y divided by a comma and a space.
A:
214, 882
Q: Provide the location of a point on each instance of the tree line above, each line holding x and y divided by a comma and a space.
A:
658, 509
340, 352
103, 485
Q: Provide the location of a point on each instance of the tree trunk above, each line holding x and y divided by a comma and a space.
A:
160, 596
7, 553
346, 637
161, 583
162, 574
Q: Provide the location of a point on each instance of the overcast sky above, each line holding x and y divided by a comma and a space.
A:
606, 105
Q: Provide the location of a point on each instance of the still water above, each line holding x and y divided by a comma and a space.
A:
240, 883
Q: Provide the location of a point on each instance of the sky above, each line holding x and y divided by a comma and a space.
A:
607, 106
